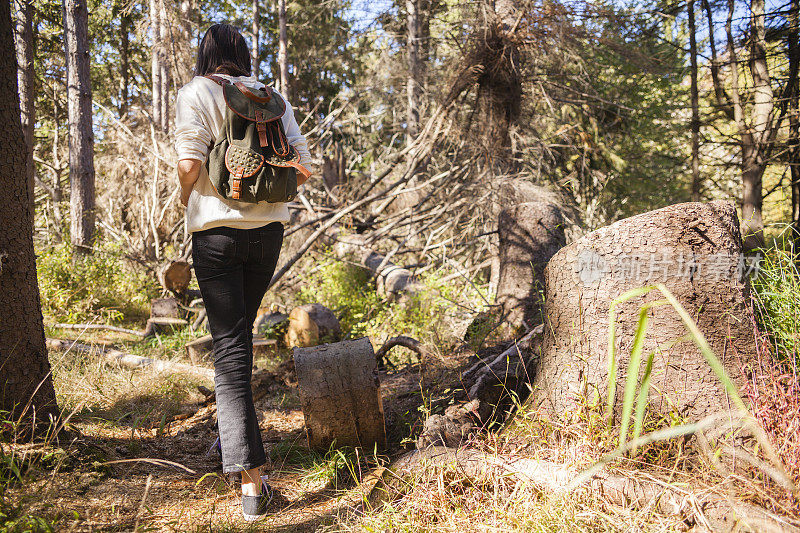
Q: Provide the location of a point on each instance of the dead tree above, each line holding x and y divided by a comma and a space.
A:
694, 249
530, 234
492, 62
81, 137
26, 380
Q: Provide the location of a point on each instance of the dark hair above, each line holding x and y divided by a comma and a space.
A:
223, 51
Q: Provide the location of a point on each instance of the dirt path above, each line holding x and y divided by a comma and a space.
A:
120, 476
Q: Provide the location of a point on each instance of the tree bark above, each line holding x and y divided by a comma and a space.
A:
155, 61
694, 249
283, 60
23, 356
26, 77
413, 83
81, 137
695, 122
757, 136
256, 37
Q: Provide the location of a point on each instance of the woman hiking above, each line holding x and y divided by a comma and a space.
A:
241, 156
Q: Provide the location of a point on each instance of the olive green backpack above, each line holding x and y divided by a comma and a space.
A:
251, 160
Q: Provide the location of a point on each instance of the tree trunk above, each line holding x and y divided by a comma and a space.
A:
23, 356
155, 61
762, 125
695, 250
530, 234
164, 77
340, 395
413, 82
256, 37
794, 117
26, 77
79, 112
124, 60
283, 60
756, 138
695, 123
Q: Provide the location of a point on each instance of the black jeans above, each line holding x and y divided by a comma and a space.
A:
233, 268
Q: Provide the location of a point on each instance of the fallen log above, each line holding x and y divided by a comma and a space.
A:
98, 326
340, 395
163, 324
391, 280
720, 512
129, 360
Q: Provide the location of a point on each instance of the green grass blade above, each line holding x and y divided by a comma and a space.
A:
612, 359
632, 378
641, 400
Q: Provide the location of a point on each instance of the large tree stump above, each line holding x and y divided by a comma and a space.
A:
695, 250
310, 325
340, 395
530, 234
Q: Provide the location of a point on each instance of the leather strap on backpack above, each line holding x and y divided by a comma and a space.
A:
236, 183
261, 126
279, 141
217, 79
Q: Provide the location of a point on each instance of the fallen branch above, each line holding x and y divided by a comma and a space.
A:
98, 326
400, 340
129, 360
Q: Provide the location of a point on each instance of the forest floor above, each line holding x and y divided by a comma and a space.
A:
139, 457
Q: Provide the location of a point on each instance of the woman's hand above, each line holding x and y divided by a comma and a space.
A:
188, 172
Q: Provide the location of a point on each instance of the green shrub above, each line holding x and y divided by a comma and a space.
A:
777, 296
428, 315
101, 286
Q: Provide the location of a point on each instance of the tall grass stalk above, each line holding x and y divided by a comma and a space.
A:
632, 384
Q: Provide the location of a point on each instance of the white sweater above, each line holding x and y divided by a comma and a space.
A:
199, 114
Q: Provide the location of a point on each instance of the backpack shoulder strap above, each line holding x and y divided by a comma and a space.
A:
217, 79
